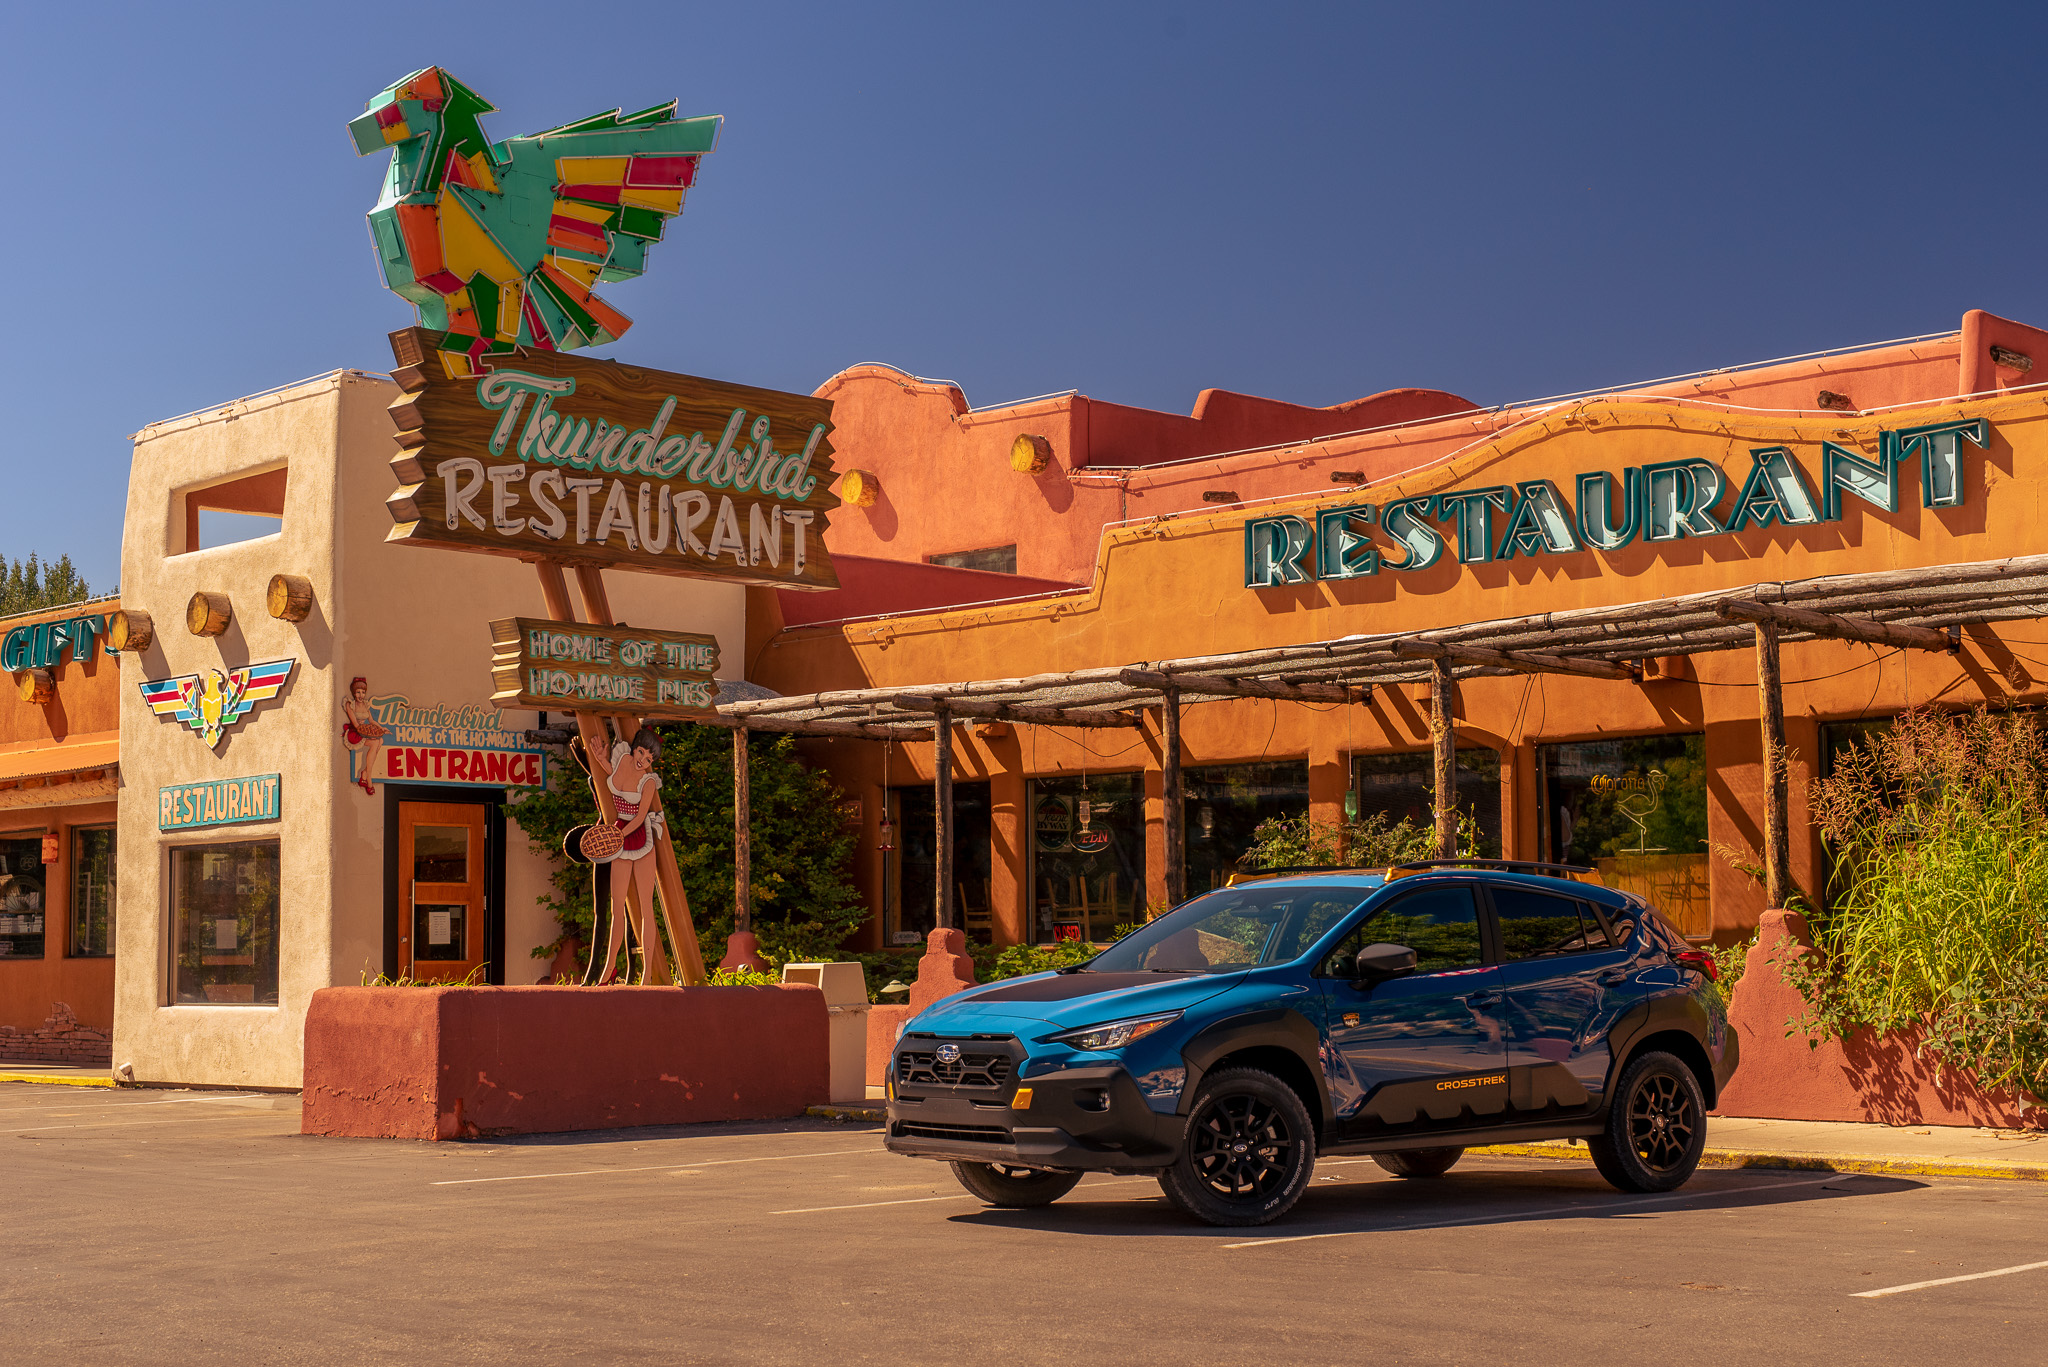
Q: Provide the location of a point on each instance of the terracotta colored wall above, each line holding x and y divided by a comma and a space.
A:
1883, 1079
450, 1063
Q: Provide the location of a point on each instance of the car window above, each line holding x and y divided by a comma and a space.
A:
1233, 929
1536, 925
1440, 924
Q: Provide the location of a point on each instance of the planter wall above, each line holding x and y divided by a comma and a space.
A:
461, 1062
1873, 1078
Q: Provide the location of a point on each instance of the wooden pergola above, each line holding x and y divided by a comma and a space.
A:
1915, 609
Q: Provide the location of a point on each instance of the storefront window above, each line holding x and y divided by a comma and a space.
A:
1087, 856
1403, 788
1637, 811
912, 907
224, 912
1225, 804
21, 897
92, 892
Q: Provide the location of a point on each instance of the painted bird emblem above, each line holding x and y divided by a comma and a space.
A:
502, 244
212, 702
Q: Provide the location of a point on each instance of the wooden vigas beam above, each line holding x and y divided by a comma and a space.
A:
1840, 628
588, 463
1526, 661
1243, 688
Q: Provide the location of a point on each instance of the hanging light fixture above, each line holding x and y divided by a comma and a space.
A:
885, 831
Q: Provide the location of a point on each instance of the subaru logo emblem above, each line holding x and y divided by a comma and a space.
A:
947, 1053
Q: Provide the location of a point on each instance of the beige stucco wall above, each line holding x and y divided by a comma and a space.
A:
413, 621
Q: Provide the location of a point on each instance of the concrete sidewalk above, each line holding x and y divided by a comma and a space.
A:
1826, 1146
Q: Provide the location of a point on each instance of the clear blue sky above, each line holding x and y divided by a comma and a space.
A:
1135, 200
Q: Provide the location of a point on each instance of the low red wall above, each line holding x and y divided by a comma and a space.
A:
459, 1062
1875, 1078
883, 1023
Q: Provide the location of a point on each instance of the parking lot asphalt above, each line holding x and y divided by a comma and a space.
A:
172, 1227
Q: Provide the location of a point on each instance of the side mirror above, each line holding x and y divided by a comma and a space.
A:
1376, 963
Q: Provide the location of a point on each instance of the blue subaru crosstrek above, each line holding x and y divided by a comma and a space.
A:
1407, 1015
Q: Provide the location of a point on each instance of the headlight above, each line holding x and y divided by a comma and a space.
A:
1114, 1034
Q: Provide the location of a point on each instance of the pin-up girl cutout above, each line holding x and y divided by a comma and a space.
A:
363, 733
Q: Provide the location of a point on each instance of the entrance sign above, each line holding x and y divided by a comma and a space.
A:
436, 743
216, 701
1663, 501
221, 802
587, 462
571, 667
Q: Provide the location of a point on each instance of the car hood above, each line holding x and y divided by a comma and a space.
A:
1069, 999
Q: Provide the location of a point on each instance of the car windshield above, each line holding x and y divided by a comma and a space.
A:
1236, 928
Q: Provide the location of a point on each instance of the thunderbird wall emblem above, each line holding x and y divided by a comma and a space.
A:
213, 702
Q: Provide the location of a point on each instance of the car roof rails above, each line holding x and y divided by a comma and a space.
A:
1255, 875
1537, 866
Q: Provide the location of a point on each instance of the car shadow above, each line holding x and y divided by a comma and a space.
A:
1475, 1198
640, 1134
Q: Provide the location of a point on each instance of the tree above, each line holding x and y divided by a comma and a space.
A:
26, 585
805, 903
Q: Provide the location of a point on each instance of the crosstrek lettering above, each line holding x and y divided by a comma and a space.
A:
1459, 1084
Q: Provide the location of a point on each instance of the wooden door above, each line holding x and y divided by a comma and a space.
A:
441, 890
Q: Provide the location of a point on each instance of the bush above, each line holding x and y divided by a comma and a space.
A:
1293, 841
1939, 906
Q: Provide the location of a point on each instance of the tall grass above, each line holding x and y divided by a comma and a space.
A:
1938, 907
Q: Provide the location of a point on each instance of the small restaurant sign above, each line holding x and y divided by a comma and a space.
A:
1660, 501
219, 802
556, 457
571, 667
436, 743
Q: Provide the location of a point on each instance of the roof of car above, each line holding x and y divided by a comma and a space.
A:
1372, 878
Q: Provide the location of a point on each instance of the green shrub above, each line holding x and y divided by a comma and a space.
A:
1367, 842
1939, 906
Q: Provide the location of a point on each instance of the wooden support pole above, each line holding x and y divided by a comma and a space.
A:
742, 835
942, 806
1244, 688
1529, 662
1841, 628
1443, 738
1176, 802
1771, 709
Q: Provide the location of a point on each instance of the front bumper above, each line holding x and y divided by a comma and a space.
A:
1092, 1119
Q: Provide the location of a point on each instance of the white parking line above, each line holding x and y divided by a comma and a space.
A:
659, 1167
1500, 1217
1949, 1281
72, 1101
870, 1205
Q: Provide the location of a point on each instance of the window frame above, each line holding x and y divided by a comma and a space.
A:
72, 905
167, 996
1482, 909
36, 834
1585, 908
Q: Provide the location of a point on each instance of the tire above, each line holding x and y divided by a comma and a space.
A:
1249, 1151
1656, 1126
1014, 1188
1418, 1162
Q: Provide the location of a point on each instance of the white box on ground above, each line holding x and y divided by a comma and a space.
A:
846, 1001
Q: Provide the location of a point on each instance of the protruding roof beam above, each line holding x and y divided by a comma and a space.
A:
1842, 628
1527, 661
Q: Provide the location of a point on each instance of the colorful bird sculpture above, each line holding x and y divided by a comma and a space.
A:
500, 244
216, 701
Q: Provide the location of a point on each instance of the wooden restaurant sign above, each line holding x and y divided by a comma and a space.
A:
569, 667
553, 456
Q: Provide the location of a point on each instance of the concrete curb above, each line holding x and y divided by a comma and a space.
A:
1806, 1162
57, 1080
846, 1112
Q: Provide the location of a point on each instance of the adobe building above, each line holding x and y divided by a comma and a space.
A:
270, 844
1018, 560
60, 753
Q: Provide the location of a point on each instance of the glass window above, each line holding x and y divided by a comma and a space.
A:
1225, 803
1087, 856
911, 908
1534, 925
224, 915
1260, 923
1636, 810
21, 897
1440, 924
439, 931
1403, 787
92, 892
440, 854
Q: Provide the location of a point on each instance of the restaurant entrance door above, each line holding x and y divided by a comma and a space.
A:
443, 886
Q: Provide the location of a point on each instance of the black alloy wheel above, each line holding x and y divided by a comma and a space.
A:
1248, 1153
1656, 1126
1014, 1188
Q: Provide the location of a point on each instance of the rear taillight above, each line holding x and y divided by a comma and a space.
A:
1699, 961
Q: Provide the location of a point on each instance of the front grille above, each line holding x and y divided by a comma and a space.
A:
979, 1068
958, 1134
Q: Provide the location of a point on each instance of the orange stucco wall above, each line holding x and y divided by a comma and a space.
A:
1172, 587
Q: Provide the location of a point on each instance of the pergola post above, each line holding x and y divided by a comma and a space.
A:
1176, 806
1443, 739
1771, 709
742, 835
942, 806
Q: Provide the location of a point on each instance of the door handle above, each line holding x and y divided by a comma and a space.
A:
1614, 977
